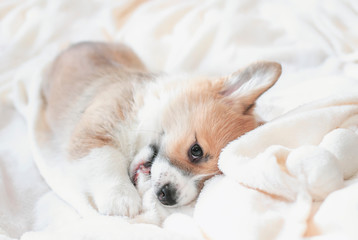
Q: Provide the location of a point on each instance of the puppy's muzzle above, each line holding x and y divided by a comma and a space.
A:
167, 195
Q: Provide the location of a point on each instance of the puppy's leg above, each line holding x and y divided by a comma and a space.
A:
86, 166
106, 182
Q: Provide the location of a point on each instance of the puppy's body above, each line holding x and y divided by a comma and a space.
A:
119, 131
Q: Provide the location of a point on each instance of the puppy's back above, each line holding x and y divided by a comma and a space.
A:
76, 75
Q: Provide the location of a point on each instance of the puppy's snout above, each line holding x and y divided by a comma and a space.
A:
167, 195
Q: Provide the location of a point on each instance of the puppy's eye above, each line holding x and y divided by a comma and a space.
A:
195, 153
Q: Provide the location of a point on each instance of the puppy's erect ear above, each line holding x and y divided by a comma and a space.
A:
245, 86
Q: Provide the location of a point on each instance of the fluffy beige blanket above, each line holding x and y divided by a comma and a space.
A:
293, 178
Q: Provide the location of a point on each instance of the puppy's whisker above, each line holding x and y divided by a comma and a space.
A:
195, 178
201, 176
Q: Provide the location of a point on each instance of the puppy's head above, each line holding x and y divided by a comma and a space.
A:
197, 121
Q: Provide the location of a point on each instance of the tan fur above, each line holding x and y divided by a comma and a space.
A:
89, 90
215, 117
76, 68
213, 124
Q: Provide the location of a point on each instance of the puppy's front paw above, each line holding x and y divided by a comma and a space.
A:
123, 201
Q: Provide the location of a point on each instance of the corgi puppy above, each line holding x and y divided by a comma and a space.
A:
112, 130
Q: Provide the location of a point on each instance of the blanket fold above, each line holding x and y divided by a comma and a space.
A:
307, 141
293, 161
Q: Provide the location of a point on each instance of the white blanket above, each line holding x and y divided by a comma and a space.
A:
293, 178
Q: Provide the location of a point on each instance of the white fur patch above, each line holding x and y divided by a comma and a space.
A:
163, 173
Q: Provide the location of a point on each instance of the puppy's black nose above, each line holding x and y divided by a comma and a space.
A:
167, 195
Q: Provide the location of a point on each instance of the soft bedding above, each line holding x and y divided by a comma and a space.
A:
293, 178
